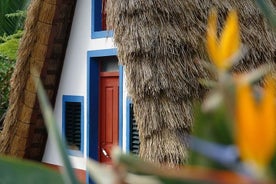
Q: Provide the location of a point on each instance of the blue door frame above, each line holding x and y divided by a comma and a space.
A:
93, 78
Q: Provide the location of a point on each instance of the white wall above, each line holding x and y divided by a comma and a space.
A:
74, 76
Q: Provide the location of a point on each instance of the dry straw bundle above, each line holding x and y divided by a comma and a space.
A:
18, 81
161, 43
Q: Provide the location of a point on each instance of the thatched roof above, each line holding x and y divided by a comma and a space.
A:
42, 48
161, 43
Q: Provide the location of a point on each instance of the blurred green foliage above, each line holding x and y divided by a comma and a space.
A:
8, 50
213, 126
12, 16
14, 171
216, 128
209, 126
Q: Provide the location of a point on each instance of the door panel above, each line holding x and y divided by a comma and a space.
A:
109, 116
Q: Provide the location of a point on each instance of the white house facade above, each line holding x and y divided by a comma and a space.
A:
92, 107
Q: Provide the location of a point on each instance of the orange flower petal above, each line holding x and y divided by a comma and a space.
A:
220, 52
212, 42
246, 120
230, 38
267, 124
256, 125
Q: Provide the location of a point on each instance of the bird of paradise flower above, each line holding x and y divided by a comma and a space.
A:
255, 121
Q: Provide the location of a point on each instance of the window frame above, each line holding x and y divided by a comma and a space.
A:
77, 99
96, 21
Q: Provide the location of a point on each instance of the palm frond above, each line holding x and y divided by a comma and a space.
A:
8, 24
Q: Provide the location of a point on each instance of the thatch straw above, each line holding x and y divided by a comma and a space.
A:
20, 76
168, 147
157, 113
161, 43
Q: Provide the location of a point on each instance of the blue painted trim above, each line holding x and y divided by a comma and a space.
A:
92, 108
93, 101
96, 16
80, 99
128, 121
96, 21
102, 53
121, 83
101, 34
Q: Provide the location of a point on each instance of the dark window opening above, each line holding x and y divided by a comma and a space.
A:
98, 20
99, 15
103, 15
109, 64
73, 125
134, 133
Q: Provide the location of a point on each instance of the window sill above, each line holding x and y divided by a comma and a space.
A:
102, 34
75, 153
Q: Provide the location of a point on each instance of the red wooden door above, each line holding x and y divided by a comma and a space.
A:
109, 114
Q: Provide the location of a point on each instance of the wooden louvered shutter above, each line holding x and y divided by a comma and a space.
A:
73, 125
134, 134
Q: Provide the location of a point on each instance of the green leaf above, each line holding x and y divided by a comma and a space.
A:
212, 101
51, 124
135, 169
101, 173
19, 171
268, 11
256, 74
